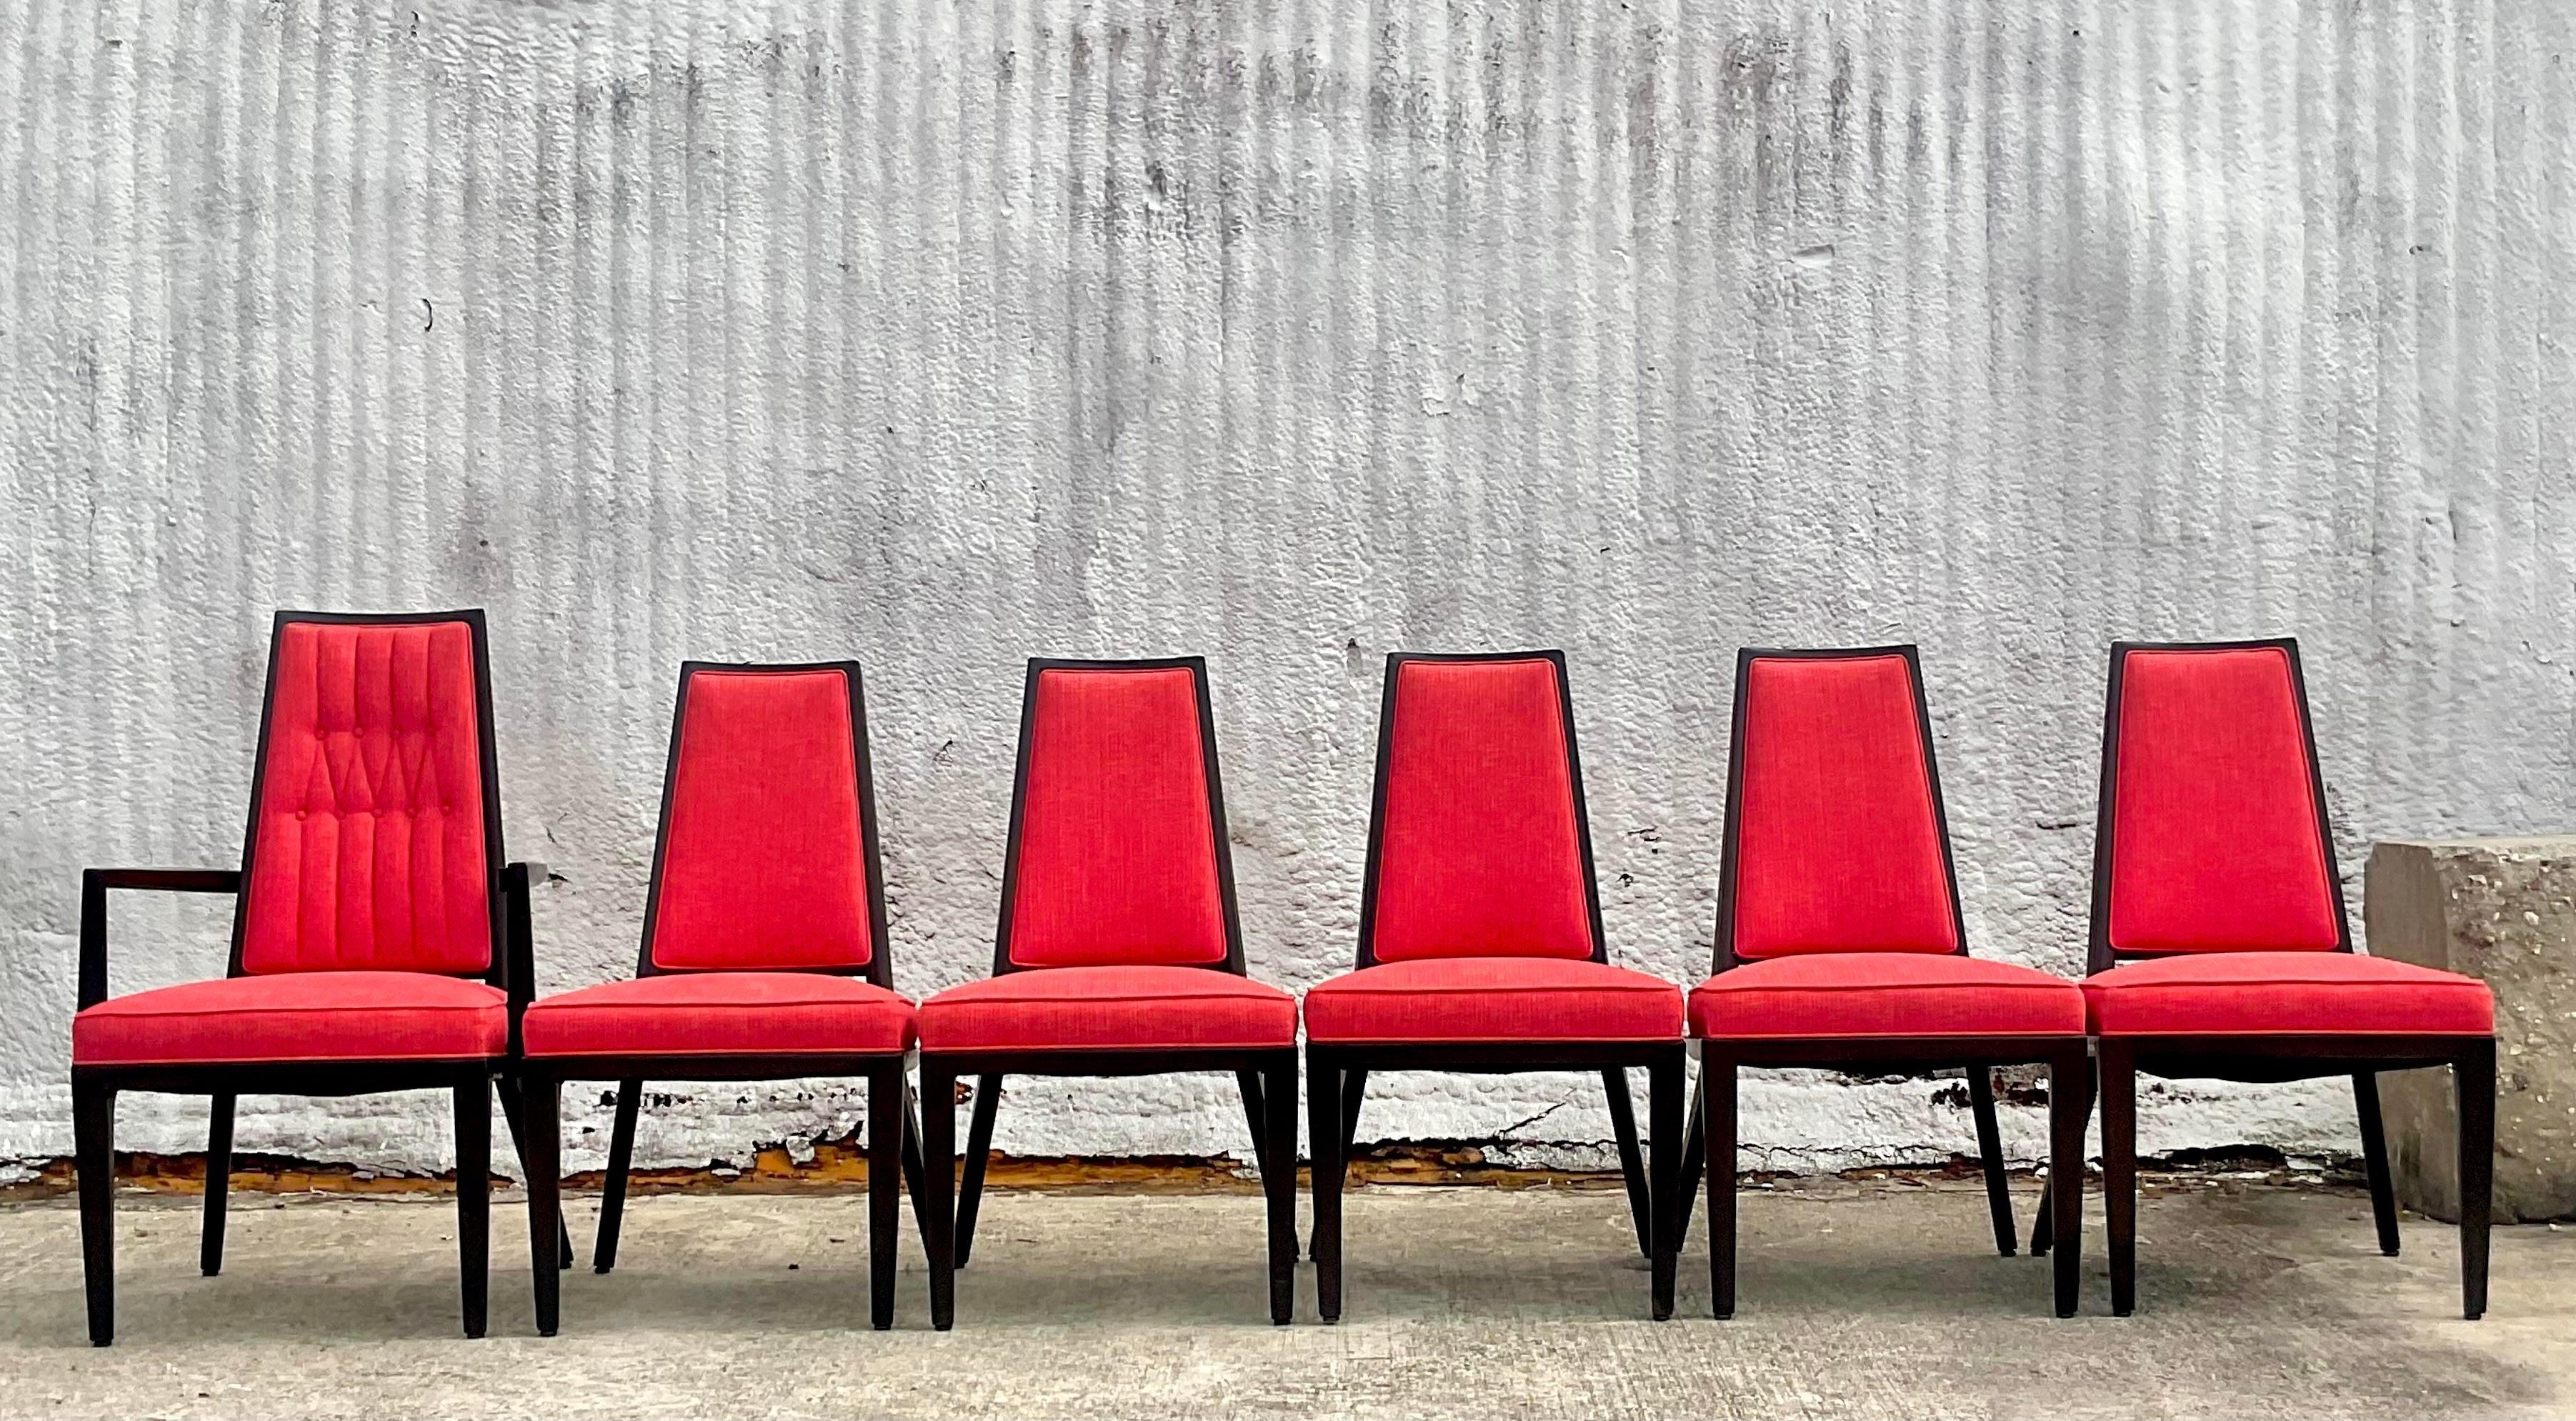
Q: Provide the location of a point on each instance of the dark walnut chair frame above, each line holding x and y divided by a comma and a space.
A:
470, 1080
1337, 1073
1266, 1079
893, 1146
1713, 1132
2122, 1058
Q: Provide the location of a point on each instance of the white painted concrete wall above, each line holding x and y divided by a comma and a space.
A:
941, 335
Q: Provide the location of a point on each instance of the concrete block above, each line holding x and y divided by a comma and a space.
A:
2502, 911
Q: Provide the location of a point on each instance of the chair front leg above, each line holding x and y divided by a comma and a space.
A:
94, 1163
1664, 1088
1279, 1182
939, 1178
2119, 1072
541, 1159
474, 1198
2475, 1073
1324, 1132
1990, 1156
219, 1178
1717, 1131
889, 1129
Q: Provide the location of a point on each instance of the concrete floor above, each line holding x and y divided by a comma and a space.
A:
1870, 1300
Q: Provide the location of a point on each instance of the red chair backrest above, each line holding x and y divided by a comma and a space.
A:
1478, 845
767, 856
2212, 835
1835, 838
374, 840
1117, 854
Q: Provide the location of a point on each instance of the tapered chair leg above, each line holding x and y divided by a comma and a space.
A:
2120, 1172
219, 1176
515, 1116
1717, 1116
1248, 1085
1279, 1183
1665, 1081
1354, 1089
612, 1189
541, 1157
2043, 1227
2374, 1159
1694, 1158
2475, 1075
889, 1128
474, 1199
1990, 1154
939, 1174
2070, 1106
1324, 1133
979, 1145
94, 1163
913, 1177
1632, 1162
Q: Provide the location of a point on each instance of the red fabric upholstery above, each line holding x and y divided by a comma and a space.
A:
1884, 994
1479, 851
1494, 999
1117, 846
2285, 993
2215, 845
300, 1016
1838, 844
721, 1013
1132, 1008
369, 843
763, 862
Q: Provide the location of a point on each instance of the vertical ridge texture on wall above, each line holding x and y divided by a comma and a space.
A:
1289, 332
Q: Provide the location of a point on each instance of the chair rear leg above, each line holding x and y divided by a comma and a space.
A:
2070, 1107
913, 1178
1717, 1116
474, 1198
1990, 1154
219, 1177
515, 1115
1353, 1089
1694, 1160
889, 1130
2120, 1172
612, 1190
1665, 1081
1279, 1183
1632, 1161
939, 1175
94, 1162
2374, 1160
979, 1144
2475, 1074
2043, 1227
541, 1159
1324, 1097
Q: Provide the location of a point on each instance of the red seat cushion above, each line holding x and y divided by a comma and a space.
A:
721, 1014
1136, 1008
1494, 999
2282, 994
297, 1016
1884, 994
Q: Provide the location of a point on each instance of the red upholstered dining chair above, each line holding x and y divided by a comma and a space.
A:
764, 953
379, 940
2220, 948
1118, 951
1480, 942
1840, 942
